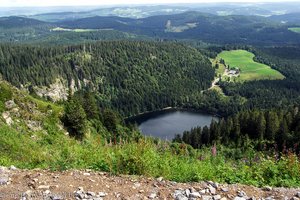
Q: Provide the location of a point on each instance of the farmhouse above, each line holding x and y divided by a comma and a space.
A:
233, 72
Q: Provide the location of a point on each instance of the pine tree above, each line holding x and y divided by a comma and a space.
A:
272, 125
261, 126
75, 118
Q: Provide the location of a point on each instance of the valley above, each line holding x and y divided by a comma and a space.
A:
72, 78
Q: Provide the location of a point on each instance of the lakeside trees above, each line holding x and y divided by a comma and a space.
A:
269, 127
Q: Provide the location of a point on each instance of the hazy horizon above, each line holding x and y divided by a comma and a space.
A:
70, 3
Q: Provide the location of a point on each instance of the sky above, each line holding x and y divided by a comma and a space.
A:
31, 3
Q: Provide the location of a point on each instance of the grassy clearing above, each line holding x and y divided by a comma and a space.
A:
295, 29
250, 70
76, 30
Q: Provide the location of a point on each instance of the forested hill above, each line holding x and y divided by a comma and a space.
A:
130, 76
233, 29
19, 22
209, 28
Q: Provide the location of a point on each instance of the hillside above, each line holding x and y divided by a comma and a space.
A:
19, 22
290, 18
35, 134
131, 77
233, 29
196, 26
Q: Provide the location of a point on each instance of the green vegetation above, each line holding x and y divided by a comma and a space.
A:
128, 152
73, 30
295, 29
249, 69
175, 162
130, 77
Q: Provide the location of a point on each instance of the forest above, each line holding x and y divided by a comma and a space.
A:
130, 77
265, 129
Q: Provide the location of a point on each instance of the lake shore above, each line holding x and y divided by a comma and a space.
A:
134, 118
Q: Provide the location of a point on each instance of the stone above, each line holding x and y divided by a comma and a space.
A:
10, 104
202, 192
215, 185
47, 192
223, 198
239, 198
152, 196
26, 195
212, 190
297, 194
34, 125
4, 180
181, 197
267, 188
160, 179
206, 197
178, 192
225, 189
102, 194
195, 195
294, 198
137, 185
187, 192
91, 193
7, 118
193, 189
80, 188
44, 187
13, 168
79, 195
173, 182
56, 197
269, 198
242, 194
217, 197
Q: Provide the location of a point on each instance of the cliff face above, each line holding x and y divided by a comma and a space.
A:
26, 114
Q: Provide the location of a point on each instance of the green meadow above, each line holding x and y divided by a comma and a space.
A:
74, 30
295, 29
249, 69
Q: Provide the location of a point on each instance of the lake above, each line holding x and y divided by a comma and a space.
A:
166, 123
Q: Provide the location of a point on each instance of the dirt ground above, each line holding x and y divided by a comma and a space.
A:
87, 184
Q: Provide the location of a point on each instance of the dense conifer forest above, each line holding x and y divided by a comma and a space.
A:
130, 77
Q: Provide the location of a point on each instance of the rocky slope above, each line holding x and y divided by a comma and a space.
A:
87, 184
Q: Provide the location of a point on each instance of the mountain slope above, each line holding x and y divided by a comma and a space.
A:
290, 18
130, 76
19, 22
199, 26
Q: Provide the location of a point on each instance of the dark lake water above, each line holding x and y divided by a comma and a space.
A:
165, 124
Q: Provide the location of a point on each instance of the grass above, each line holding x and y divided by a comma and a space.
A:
145, 157
250, 70
50, 148
295, 29
76, 30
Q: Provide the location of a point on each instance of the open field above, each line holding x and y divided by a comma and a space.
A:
249, 69
76, 30
295, 29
